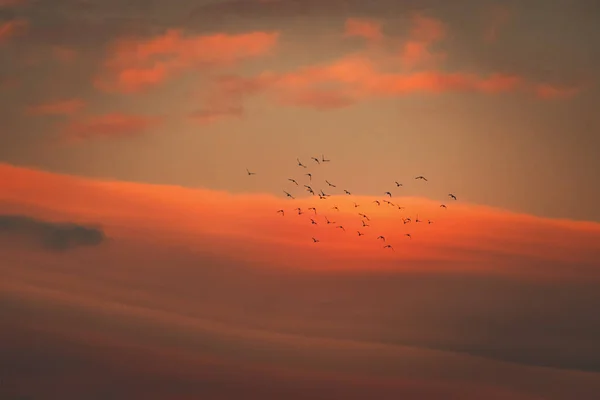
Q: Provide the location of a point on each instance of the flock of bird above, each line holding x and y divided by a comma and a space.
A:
364, 219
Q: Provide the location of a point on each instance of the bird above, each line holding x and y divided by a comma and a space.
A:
364, 216
309, 176
335, 208
356, 205
323, 158
418, 220
360, 233
408, 234
298, 209
323, 193
300, 163
330, 184
388, 193
405, 220
312, 221
300, 212
322, 197
377, 202
388, 202
316, 159
341, 227
315, 240
288, 195
282, 212
400, 208
398, 184
381, 237
388, 246
452, 196
429, 221
313, 209
421, 177
250, 173
443, 206
365, 224
328, 221
347, 192
294, 181
309, 190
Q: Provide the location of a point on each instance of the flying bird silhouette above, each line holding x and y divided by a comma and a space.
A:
315, 240
250, 173
335, 208
330, 184
408, 234
360, 233
282, 212
388, 193
388, 246
312, 221
341, 227
429, 221
288, 195
381, 237
365, 224
421, 177
356, 205
452, 196
328, 221
398, 184
323, 158
347, 192
418, 220
309, 176
443, 206
313, 209
294, 181
316, 159
300, 164
377, 202
364, 216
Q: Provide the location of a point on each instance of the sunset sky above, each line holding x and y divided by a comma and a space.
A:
140, 260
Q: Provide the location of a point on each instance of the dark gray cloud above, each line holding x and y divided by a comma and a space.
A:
51, 235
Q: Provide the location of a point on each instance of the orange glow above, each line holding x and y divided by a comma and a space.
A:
132, 64
364, 28
461, 234
12, 28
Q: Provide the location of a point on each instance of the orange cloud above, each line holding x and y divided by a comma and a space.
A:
58, 107
356, 78
552, 92
12, 28
135, 64
462, 237
499, 17
368, 29
109, 125
425, 31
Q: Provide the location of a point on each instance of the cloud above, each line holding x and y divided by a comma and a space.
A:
109, 126
357, 78
58, 107
499, 17
53, 236
425, 32
240, 288
552, 92
364, 28
11, 29
137, 64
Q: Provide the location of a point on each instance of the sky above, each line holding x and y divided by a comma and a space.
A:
140, 259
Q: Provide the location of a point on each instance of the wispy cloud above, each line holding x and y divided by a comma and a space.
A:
57, 107
136, 64
115, 125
